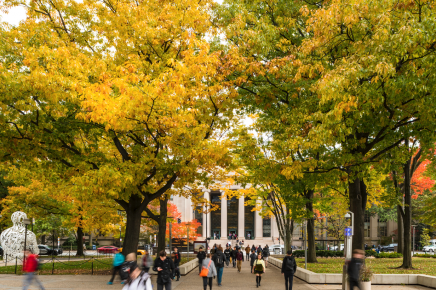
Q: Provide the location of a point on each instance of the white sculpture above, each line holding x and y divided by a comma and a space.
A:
12, 239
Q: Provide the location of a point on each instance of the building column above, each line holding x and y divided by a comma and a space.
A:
241, 218
258, 224
224, 233
206, 217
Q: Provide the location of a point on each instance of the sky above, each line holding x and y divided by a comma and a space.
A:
14, 16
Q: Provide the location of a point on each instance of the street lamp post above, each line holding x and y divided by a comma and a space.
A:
349, 232
187, 238
414, 229
26, 222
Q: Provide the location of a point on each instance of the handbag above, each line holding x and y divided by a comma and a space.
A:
205, 271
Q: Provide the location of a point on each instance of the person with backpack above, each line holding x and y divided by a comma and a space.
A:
116, 267
247, 253
258, 269
253, 257
147, 262
289, 267
234, 253
165, 270
265, 254
201, 255
138, 280
219, 259
227, 253
208, 272
30, 266
177, 258
239, 258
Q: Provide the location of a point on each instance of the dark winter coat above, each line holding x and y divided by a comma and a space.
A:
167, 272
287, 261
353, 270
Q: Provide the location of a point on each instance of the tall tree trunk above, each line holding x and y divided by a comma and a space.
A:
79, 242
358, 196
134, 209
90, 239
162, 225
407, 254
43, 239
311, 247
400, 237
289, 229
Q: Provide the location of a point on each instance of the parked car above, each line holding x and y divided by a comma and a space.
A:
277, 249
429, 248
389, 248
107, 249
337, 248
139, 252
46, 250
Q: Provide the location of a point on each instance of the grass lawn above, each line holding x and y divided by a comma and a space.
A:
83, 267
379, 266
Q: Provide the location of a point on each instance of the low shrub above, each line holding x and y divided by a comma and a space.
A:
320, 253
370, 253
388, 255
424, 256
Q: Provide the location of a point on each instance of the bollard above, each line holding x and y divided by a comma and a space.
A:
52, 269
16, 264
92, 268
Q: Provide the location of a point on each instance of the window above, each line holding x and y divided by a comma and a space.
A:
198, 215
366, 225
266, 227
382, 228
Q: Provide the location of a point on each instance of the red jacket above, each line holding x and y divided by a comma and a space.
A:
30, 264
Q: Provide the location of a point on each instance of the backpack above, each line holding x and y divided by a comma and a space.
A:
219, 260
290, 264
258, 267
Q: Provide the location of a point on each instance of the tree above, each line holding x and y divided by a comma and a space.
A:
125, 96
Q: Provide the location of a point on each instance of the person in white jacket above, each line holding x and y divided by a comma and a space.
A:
138, 280
209, 264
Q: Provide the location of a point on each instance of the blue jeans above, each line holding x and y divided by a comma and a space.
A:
220, 274
28, 280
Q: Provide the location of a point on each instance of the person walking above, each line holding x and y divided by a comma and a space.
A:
227, 253
239, 258
201, 255
116, 267
138, 280
265, 254
253, 248
258, 269
253, 257
259, 249
208, 264
165, 270
219, 259
30, 265
289, 267
247, 253
354, 267
147, 262
234, 253
176, 259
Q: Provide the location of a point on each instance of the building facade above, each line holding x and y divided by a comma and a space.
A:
235, 217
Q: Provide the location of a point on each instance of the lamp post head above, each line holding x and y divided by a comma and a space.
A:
347, 215
27, 221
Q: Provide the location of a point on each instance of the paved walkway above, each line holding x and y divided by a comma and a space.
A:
233, 280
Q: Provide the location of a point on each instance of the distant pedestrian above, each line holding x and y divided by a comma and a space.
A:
239, 258
265, 254
147, 262
227, 253
234, 253
247, 253
138, 280
258, 269
253, 248
30, 265
289, 267
219, 259
253, 258
116, 267
201, 255
165, 270
354, 268
259, 249
208, 264
176, 260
